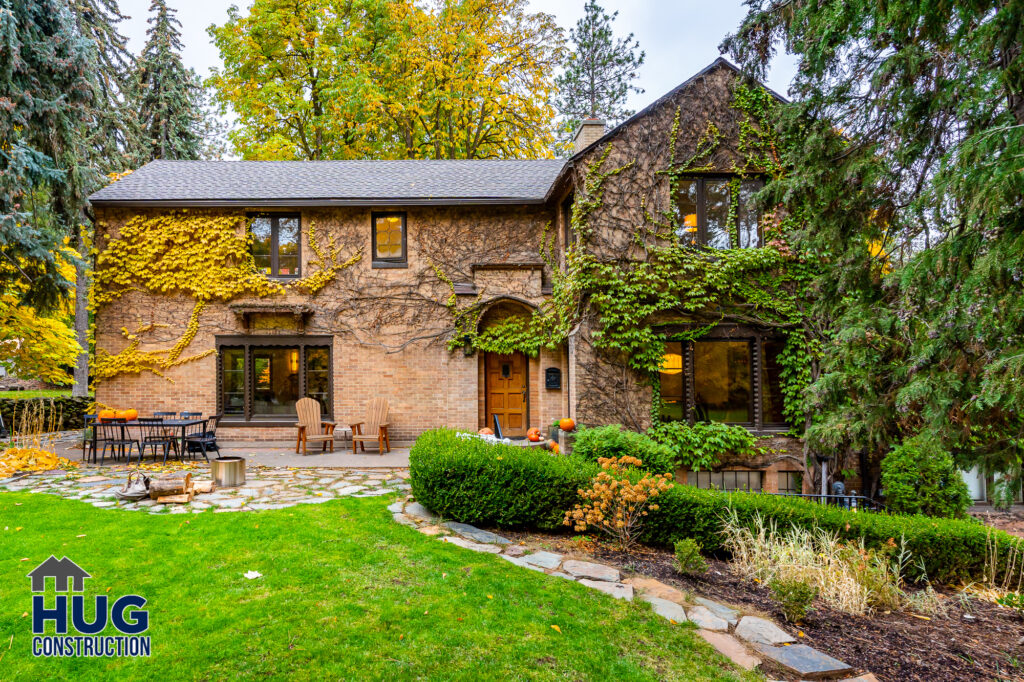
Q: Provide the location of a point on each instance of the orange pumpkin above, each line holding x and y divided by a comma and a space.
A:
104, 415
553, 446
533, 435
566, 424
486, 431
131, 414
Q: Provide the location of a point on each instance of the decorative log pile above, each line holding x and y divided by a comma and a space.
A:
177, 488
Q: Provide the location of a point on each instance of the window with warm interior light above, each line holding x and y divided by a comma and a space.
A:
702, 207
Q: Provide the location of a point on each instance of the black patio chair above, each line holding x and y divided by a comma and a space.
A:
166, 415
112, 434
88, 424
156, 435
202, 438
190, 415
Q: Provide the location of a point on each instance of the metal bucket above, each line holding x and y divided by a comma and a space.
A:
228, 472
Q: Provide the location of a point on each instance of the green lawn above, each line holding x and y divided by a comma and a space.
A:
58, 393
346, 594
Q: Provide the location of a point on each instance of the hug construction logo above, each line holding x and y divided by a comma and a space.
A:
84, 638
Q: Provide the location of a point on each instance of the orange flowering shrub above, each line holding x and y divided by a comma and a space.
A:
615, 505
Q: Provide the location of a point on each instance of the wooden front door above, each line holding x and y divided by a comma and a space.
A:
506, 392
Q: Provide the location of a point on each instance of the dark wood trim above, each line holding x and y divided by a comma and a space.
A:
401, 262
251, 342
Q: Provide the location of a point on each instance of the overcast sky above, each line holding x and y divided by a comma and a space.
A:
680, 37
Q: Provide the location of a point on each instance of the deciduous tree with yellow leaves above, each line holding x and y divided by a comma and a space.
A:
453, 79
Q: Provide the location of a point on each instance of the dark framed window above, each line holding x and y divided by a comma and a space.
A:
727, 377
570, 238
390, 240
702, 208
728, 480
791, 482
276, 241
262, 377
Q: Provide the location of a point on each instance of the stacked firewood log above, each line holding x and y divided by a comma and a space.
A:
177, 488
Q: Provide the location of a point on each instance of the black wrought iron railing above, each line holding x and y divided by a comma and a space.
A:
844, 501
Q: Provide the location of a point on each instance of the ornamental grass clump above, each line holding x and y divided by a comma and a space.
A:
615, 504
847, 576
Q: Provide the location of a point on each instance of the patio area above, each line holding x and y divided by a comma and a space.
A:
273, 454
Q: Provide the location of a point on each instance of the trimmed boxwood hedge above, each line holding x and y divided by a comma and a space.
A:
472, 481
70, 410
506, 486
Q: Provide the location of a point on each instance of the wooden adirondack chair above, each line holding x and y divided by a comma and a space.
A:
376, 424
311, 427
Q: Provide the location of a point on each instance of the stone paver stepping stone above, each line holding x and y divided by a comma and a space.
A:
104, 503
431, 530
585, 569
92, 479
866, 677
475, 546
762, 631
656, 588
396, 507
543, 559
474, 533
349, 489
668, 610
231, 503
374, 493
559, 574
730, 647
403, 519
518, 561
419, 511
724, 612
808, 663
515, 550
617, 590
703, 617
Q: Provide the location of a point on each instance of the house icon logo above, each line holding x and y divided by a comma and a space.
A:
62, 571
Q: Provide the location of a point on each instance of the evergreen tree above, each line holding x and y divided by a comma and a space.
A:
915, 214
169, 96
598, 72
114, 135
45, 69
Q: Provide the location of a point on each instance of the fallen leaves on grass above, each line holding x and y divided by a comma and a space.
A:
556, 629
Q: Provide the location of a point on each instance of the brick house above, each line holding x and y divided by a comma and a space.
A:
431, 236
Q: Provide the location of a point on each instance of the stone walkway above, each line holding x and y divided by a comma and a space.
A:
265, 487
744, 639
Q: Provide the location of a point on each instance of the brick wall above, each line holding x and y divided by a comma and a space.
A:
388, 325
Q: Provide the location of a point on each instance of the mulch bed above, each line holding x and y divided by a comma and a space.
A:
983, 642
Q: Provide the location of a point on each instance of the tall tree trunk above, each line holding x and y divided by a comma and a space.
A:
81, 387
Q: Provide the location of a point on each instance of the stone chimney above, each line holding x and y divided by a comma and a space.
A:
589, 132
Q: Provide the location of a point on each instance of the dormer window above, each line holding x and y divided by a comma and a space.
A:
702, 206
275, 244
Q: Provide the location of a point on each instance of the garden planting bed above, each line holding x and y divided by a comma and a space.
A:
984, 643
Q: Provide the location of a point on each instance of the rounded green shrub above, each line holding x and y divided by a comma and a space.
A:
615, 441
919, 477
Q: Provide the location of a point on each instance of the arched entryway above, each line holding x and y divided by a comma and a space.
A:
505, 387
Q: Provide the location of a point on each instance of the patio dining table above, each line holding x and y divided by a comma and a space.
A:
182, 424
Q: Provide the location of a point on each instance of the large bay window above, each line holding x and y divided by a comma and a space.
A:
262, 377
728, 377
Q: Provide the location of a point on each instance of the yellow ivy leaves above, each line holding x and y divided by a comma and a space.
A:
132, 360
201, 254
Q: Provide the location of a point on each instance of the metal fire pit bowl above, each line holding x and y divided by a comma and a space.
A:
228, 472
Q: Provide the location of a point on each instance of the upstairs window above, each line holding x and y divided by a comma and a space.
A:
702, 206
389, 240
275, 244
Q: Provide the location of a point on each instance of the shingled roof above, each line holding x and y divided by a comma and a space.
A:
333, 183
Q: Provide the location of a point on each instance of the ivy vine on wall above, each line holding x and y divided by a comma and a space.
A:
206, 256
664, 283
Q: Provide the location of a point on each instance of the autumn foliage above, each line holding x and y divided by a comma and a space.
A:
616, 505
